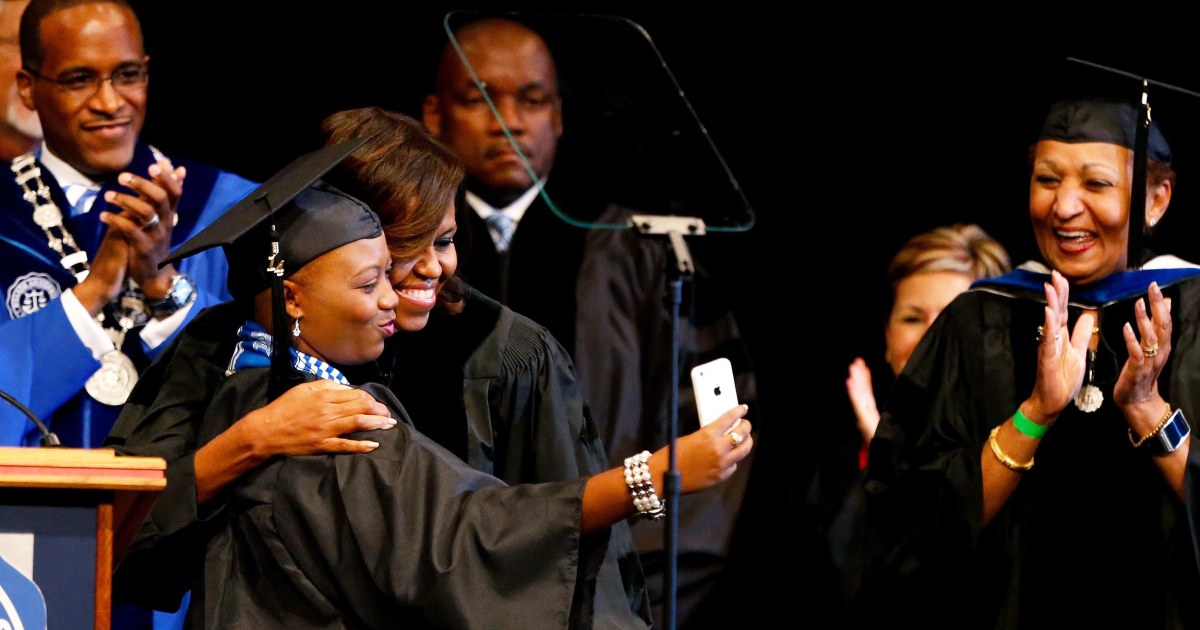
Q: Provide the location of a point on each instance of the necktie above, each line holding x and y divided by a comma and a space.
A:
80, 197
501, 227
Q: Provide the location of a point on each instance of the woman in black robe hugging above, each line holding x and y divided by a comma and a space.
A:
406, 535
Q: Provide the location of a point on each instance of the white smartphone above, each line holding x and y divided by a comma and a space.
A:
714, 388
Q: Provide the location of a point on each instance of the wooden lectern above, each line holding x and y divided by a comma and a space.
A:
83, 507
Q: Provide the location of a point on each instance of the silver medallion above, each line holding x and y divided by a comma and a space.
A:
113, 382
1089, 398
47, 215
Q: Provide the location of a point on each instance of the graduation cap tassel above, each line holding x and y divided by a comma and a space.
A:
1137, 201
283, 376
313, 219
1141, 152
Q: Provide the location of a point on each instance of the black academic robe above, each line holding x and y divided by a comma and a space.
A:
405, 536
1092, 536
486, 376
162, 419
497, 390
536, 276
602, 294
623, 350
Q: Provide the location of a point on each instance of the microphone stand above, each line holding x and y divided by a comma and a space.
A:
679, 269
48, 438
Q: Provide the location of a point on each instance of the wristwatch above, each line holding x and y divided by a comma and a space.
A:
181, 293
1171, 436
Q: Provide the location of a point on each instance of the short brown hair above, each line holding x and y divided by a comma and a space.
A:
405, 175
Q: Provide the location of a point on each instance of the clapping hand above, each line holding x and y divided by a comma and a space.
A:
1062, 360
862, 398
1136, 391
145, 221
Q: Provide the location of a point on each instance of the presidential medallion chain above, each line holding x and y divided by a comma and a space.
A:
47, 216
113, 382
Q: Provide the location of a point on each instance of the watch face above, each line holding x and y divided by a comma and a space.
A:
181, 294
183, 290
1175, 432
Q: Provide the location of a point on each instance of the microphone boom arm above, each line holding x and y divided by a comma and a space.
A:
48, 438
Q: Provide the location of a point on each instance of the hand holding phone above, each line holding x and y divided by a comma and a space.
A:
715, 390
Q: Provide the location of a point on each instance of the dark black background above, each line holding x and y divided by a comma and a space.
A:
849, 130
848, 133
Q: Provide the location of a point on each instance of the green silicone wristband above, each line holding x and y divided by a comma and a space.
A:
1028, 427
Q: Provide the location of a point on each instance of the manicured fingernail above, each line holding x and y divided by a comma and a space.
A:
109, 196
373, 445
155, 170
124, 179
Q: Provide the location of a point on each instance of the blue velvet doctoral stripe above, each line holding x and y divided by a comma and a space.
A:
1113, 288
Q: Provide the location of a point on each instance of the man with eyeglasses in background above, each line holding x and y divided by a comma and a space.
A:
86, 218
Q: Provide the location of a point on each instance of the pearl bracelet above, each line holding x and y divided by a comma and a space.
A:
641, 487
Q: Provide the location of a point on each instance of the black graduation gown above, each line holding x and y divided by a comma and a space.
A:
496, 389
536, 276
162, 419
623, 350
486, 373
405, 536
1091, 536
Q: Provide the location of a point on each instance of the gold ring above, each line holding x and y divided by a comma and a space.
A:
151, 223
1149, 352
737, 438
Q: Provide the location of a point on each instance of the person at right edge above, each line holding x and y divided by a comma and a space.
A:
600, 293
1033, 465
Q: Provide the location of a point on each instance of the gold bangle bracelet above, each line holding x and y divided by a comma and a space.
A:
1161, 423
1008, 462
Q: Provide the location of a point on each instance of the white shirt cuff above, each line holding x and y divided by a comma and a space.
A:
156, 331
90, 332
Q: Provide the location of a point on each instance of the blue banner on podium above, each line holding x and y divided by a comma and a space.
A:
22, 606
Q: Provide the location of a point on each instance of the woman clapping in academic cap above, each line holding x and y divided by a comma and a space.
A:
1031, 467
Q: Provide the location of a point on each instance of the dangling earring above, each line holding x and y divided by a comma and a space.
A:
296, 327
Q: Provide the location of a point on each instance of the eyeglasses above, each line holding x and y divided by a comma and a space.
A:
86, 82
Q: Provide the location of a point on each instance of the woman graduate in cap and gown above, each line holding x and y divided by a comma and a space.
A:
408, 534
487, 384
1033, 464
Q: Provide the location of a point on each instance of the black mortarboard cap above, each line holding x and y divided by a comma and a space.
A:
309, 219
1123, 122
287, 222
1101, 120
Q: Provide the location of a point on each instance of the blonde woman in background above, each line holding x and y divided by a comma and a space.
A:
927, 273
